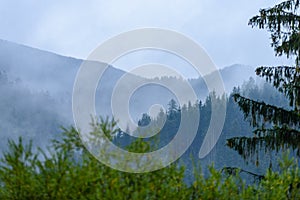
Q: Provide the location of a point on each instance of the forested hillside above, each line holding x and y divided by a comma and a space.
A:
253, 154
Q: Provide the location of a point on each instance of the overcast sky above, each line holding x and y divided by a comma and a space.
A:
75, 28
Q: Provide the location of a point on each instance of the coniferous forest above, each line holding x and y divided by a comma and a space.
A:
256, 156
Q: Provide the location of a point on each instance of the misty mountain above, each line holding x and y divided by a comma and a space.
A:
41, 73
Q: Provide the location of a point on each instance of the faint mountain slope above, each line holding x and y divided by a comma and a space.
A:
236, 75
43, 70
40, 71
232, 76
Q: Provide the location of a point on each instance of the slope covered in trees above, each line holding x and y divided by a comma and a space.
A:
34, 115
66, 170
59, 173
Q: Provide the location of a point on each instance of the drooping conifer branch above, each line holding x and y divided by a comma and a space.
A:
260, 113
283, 22
285, 79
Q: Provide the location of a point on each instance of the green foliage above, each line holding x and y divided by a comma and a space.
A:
67, 171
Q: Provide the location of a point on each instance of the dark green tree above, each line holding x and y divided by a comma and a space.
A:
146, 119
276, 128
172, 109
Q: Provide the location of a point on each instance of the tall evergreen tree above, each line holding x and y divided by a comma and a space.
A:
146, 119
276, 128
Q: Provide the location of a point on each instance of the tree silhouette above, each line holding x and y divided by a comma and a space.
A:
145, 120
172, 109
276, 128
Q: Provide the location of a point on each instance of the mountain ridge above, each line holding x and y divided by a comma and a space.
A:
41, 70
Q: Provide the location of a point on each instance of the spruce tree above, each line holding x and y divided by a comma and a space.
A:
276, 128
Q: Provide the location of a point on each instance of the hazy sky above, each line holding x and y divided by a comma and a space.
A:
75, 28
